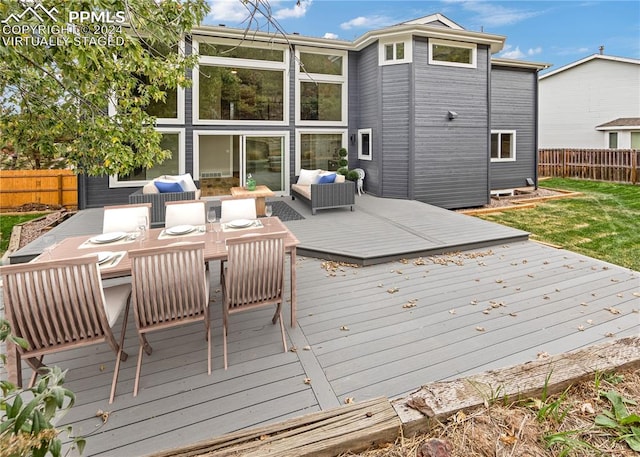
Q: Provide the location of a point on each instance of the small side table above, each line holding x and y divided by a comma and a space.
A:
259, 194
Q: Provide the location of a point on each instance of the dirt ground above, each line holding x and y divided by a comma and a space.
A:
560, 425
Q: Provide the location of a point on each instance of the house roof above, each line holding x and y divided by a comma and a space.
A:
622, 123
433, 26
499, 61
589, 59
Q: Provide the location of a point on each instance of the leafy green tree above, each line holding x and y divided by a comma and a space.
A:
58, 79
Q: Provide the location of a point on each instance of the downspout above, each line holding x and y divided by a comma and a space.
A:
535, 130
489, 107
411, 194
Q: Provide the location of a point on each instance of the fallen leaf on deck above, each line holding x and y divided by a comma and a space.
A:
393, 290
307, 348
513, 314
264, 437
473, 302
452, 311
589, 321
612, 310
307, 380
543, 355
610, 335
480, 329
293, 349
419, 261
581, 328
486, 311
348, 400
104, 415
344, 328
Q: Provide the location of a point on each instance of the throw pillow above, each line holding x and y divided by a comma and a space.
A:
340, 178
150, 188
168, 186
187, 185
308, 177
329, 178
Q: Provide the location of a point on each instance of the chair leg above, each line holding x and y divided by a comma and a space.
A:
208, 328
116, 371
224, 340
36, 365
284, 341
137, 381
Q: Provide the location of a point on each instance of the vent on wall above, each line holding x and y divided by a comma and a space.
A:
211, 174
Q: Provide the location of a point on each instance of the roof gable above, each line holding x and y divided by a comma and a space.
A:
589, 59
437, 20
621, 123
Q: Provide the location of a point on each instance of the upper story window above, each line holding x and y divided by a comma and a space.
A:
503, 145
452, 53
240, 84
395, 51
321, 95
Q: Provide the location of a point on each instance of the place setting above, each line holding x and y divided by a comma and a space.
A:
110, 238
107, 259
182, 230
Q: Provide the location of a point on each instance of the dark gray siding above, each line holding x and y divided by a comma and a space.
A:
367, 113
395, 113
450, 156
513, 107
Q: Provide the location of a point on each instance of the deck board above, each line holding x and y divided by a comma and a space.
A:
387, 351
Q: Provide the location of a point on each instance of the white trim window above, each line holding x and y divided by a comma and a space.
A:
318, 148
171, 110
240, 84
396, 50
452, 53
365, 146
321, 83
173, 139
503, 145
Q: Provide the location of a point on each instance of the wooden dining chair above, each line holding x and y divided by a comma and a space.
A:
190, 212
124, 218
253, 277
170, 288
60, 305
237, 208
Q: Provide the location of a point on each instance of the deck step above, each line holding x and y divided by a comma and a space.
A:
352, 427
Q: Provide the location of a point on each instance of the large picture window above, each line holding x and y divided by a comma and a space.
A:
240, 84
173, 140
452, 53
321, 97
503, 145
319, 149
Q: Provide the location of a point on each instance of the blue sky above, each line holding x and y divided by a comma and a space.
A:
555, 32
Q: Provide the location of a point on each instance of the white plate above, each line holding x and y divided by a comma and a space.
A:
104, 256
241, 223
180, 230
108, 237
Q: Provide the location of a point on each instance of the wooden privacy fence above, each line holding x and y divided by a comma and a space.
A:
616, 165
46, 187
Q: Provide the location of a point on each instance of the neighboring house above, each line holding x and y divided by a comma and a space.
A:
591, 103
421, 106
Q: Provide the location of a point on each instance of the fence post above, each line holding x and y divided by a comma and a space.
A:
60, 193
634, 166
564, 163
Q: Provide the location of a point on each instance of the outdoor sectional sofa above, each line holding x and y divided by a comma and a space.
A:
324, 195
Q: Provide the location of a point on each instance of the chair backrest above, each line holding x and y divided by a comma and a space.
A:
191, 212
124, 218
169, 285
238, 208
254, 271
55, 305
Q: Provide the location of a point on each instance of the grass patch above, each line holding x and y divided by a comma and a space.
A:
604, 223
6, 226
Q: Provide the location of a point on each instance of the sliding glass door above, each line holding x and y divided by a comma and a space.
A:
223, 160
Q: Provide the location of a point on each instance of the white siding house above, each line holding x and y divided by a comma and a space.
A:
580, 97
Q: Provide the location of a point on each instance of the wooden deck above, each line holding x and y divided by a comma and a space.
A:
411, 316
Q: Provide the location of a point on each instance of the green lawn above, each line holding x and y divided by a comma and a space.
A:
6, 225
604, 223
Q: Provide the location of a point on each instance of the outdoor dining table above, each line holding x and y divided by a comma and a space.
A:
215, 249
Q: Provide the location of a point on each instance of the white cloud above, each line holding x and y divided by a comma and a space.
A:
495, 15
369, 22
331, 36
227, 10
510, 53
293, 12
534, 51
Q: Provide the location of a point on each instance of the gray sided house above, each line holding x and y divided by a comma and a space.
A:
421, 106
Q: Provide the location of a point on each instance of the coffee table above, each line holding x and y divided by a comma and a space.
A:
259, 194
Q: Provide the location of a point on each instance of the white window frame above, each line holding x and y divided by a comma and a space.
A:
407, 40
240, 63
300, 132
362, 156
343, 79
113, 179
454, 44
111, 110
512, 157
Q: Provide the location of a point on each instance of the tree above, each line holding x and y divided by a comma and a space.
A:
59, 72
